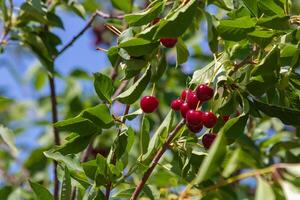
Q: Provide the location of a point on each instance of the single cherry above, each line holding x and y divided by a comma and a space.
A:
225, 118
185, 93
204, 92
184, 108
168, 42
175, 105
194, 118
192, 100
149, 104
195, 128
208, 139
209, 119
237, 113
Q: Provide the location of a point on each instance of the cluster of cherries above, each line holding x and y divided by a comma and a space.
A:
187, 104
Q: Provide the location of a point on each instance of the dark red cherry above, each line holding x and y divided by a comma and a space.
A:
168, 42
175, 105
149, 104
192, 100
195, 128
204, 92
185, 93
184, 108
237, 113
194, 118
225, 118
208, 139
209, 119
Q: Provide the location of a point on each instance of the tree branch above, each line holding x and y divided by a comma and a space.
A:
55, 130
85, 28
156, 160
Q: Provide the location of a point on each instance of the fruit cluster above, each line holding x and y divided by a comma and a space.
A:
188, 105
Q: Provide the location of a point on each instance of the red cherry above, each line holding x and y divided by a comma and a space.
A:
209, 119
194, 118
225, 118
184, 108
195, 128
192, 100
208, 139
185, 93
155, 21
149, 104
238, 113
175, 105
168, 42
204, 93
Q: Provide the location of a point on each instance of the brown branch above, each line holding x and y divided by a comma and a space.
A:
85, 28
156, 160
55, 130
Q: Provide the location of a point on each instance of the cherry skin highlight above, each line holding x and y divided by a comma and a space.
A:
208, 139
184, 108
192, 100
209, 119
204, 92
168, 42
185, 93
149, 104
194, 118
175, 104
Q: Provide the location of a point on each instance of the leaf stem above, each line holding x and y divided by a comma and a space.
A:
156, 159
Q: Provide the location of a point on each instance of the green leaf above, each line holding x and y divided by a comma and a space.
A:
234, 128
182, 52
3, 8
144, 135
178, 21
270, 7
36, 161
286, 115
8, 137
75, 144
71, 163
213, 160
212, 33
65, 193
138, 19
160, 135
113, 56
138, 47
103, 86
236, 29
134, 92
264, 190
78, 125
290, 191
258, 85
158, 67
124, 5
133, 115
275, 22
135, 64
40, 192
251, 5
262, 37
5, 102
99, 115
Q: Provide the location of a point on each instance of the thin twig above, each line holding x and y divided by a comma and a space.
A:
55, 130
156, 159
85, 28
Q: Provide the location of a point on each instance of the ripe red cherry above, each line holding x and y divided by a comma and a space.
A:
194, 118
175, 105
225, 118
209, 119
192, 100
195, 128
149, 104
204, 92
208, 139
168, 42
185, 93
184, 108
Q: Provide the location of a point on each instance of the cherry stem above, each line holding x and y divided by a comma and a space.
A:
153, 88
